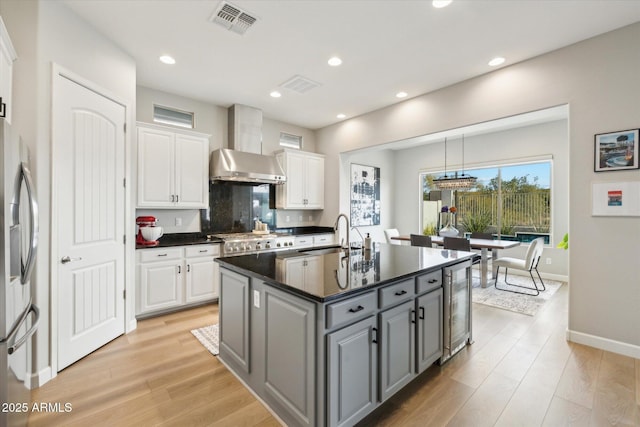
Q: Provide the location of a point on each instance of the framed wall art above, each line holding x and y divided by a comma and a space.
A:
365, 195
615, 199
616, 151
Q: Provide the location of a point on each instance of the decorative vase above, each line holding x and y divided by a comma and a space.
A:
446, 221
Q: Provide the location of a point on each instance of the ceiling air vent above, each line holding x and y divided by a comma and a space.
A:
232, 18
300, 84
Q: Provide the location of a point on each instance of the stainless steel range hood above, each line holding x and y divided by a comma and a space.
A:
232, 165
243, 161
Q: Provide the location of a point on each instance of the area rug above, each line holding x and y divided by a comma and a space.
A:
525, 304
208, 336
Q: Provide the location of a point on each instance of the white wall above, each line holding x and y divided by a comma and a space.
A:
602, 95
43, 33
513, 145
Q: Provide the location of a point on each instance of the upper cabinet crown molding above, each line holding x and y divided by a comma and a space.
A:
173, 168
304, 188
7, 56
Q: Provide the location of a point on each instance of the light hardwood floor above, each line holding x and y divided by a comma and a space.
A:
519, 372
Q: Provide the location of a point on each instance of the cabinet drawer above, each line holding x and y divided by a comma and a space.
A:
428, 282
397, 293
304, 241
160, 254
351, 309
202, 250
323, 240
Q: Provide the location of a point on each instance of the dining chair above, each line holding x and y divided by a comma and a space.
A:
392, 232
421, 240
478, 235
456, 243
529, 263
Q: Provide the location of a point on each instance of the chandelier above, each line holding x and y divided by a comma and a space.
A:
455, 181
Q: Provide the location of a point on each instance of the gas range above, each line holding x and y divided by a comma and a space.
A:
249, 243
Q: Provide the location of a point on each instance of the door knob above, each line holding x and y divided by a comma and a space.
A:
66, 259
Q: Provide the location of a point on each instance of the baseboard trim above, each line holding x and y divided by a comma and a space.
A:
602, 343
38, 379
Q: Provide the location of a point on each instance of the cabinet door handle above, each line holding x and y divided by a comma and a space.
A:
179, 270
357, 309
188, 268
422, 313
413, 316
3, 108
177, 198
375, 334
402, 292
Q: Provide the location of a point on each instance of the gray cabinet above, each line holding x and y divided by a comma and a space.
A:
234, 319
397, 348
289, 356
352, 372
429, 331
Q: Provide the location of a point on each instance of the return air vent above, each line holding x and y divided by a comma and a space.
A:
232, 18
300, 84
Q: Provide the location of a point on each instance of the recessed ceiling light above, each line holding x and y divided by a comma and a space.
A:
496, 61
275, 94
401, 95
341, 116
441, 3
166, 59
334, 61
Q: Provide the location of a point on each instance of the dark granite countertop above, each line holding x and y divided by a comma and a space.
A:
337, 275
182, 239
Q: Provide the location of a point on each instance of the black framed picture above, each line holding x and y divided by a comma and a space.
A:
616, 150
365, 195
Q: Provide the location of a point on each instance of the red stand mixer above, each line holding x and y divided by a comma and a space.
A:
148, 232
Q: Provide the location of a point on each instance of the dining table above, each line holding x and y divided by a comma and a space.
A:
484, 245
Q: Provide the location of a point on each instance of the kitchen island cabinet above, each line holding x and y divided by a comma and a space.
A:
329, 348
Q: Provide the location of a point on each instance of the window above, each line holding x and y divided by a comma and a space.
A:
290, 140
170, 116
512, 201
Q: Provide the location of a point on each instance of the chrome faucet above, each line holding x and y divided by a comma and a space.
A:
335, 227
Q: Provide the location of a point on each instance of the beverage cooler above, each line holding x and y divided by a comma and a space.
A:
457, 309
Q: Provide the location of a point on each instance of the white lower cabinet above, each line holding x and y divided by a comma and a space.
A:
168, 278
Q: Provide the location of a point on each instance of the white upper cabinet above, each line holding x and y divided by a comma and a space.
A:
173, 168
7, 56
304, 188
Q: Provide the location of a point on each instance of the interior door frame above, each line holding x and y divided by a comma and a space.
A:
58, 72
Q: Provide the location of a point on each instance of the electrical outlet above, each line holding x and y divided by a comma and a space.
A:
256, 298
548, 260
178, 222
300, 218
310, 217
288, 218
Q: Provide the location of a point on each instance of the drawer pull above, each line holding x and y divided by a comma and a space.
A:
402, 292
433, 280
162, 254
357, 309
202, 251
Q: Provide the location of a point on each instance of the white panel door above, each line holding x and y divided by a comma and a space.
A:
88, 146
295, 171
201, 277
314, 183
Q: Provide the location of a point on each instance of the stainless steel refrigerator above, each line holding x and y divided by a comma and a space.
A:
18, 315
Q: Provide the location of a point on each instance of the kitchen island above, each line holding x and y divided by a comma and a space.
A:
325, 336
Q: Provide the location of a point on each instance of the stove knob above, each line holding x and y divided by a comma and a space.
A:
268, 245
278, 244
257, 246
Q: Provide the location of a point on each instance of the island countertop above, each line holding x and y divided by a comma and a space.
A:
335, 274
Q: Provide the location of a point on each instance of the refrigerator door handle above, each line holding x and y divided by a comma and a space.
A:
25, 175
12, 343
